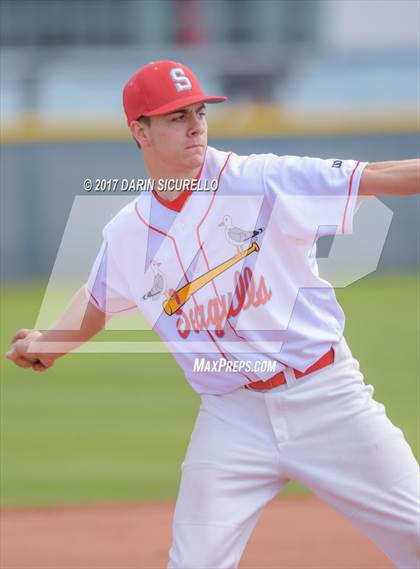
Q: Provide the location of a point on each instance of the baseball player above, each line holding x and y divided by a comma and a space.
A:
228, 278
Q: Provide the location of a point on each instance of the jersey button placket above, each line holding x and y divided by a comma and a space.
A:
275, 409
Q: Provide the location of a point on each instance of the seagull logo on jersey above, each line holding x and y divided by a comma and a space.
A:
237, 236
159, 283
159, 286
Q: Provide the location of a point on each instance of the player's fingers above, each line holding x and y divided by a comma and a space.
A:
42, 365
20, 349
12, 354
21, 362
21, 334
20, 359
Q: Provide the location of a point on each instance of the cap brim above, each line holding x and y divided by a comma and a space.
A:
185, 102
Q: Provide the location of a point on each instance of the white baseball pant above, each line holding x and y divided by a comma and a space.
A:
324, 430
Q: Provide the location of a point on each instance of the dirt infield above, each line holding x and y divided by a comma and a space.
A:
293, 533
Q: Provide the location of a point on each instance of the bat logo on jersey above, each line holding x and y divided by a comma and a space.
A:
235, 236
180, 296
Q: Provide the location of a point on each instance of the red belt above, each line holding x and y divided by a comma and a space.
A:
280, 379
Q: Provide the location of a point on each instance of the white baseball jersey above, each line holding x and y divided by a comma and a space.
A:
230, 274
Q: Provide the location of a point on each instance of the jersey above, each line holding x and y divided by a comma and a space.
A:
230, 274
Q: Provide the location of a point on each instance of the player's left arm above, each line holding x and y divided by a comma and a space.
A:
393, 178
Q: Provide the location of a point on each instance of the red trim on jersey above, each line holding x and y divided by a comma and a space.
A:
201, 244
205, 215
178, 203
181, 265
217, 345
343, 225
165, 235
207, 262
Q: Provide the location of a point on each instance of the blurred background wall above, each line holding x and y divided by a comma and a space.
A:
333, 78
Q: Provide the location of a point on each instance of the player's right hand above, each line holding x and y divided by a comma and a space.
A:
19, 351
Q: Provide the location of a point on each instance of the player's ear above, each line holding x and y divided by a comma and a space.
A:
140, 132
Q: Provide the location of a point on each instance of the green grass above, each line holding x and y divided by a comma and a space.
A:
114, 427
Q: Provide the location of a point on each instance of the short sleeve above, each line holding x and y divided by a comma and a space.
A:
106, 287
313, 196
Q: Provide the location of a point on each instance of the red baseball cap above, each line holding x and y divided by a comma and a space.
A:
162, 87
